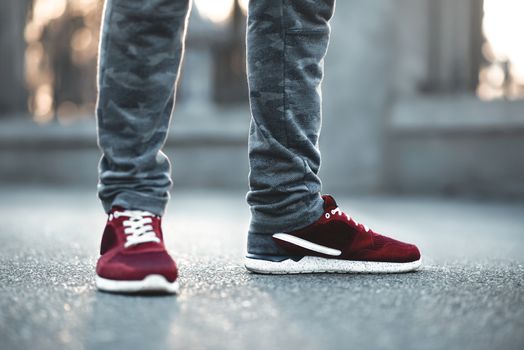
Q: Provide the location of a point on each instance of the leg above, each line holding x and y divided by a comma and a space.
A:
287, 42
293, 228
141, 47
140, 52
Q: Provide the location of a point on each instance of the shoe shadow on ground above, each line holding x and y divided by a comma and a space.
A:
137, 321
328, 311
437, 307
434, 308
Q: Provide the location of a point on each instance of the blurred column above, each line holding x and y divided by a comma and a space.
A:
230, 85
356, 93
455, 41
13, 95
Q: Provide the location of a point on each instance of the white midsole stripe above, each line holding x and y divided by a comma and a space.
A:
150, 283
315, 264
307, 244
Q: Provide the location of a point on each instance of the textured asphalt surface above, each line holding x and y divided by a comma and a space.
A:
469, 295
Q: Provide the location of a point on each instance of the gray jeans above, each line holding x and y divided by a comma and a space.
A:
142, 43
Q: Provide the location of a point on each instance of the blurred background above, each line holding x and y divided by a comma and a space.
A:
420, 97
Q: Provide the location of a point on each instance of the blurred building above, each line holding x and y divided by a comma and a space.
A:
420, 96
404, 103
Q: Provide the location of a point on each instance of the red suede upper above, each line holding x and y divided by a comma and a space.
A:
135, 262
334, 229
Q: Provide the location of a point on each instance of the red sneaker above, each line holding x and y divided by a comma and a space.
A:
133, 256
336, 243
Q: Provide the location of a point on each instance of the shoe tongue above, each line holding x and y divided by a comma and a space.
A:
146, 246
117, 208
329, 202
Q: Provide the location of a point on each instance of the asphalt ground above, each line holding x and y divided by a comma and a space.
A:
468, 295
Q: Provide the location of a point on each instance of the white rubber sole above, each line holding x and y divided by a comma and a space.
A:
150, 284
313, 264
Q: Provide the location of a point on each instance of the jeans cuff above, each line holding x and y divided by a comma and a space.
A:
136, 201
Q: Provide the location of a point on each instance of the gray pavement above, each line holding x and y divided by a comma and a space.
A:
469, 295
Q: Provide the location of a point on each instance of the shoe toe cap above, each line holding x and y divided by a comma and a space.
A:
137, 266
405, 253
412, 253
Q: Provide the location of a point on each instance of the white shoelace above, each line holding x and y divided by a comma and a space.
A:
137, 227
339, 212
